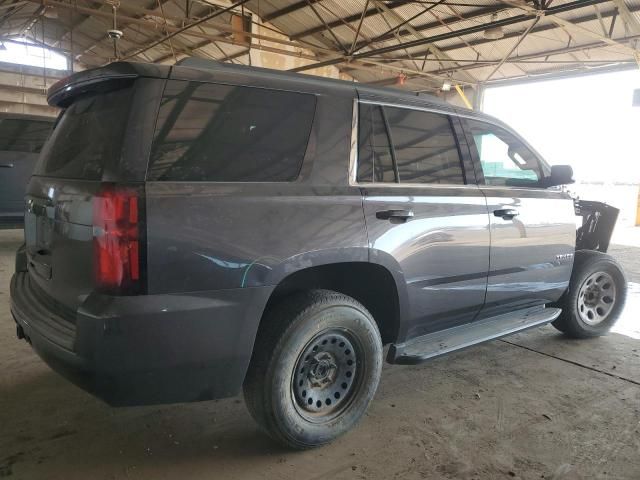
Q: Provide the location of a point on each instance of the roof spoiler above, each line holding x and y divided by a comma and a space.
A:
110, 77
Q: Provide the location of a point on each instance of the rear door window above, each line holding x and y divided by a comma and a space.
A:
401, 145
425, 147
227, 133
87, 137
23, 134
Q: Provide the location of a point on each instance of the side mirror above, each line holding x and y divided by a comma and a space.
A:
560, 175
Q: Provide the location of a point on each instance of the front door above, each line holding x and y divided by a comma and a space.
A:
532, 227
424, 220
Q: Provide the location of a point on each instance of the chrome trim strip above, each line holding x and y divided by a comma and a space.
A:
353, 153
417, 185
453, 112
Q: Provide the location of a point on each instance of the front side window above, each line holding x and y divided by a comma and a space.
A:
226, 133
504, 158
402, 145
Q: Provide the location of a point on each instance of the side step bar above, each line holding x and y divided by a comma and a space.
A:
433, 345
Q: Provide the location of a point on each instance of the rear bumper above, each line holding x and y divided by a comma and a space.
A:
149, 349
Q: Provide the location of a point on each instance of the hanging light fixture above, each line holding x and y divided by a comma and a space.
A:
494, 33
115, 34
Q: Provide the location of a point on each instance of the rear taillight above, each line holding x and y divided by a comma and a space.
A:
117, 239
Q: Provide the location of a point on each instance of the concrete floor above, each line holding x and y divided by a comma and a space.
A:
531, 406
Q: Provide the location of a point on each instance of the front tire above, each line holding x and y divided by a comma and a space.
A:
315, 368
595, 298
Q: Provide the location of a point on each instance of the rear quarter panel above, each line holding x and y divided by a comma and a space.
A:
209, 236
221, 236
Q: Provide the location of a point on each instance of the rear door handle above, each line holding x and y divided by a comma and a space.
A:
506, 213
6, 165
391, 214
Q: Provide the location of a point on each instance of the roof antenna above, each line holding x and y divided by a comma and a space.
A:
114, 33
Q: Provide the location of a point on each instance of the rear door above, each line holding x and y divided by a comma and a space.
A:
21, 140
425, 216
532, 227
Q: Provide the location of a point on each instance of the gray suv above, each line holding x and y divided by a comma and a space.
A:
197, 230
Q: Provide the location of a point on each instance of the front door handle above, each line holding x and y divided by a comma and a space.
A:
6, 165
506, 213
403, 215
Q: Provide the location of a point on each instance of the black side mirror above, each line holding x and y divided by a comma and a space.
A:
560, 175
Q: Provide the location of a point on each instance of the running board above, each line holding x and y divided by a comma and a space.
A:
433, 345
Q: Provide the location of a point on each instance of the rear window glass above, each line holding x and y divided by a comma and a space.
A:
426, 150
87, 137
419, 145
225, 133
23, 135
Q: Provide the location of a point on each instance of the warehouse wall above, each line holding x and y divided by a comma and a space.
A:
23, 89
260, 58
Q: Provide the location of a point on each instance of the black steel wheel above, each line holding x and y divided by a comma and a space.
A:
315, 368
326, 375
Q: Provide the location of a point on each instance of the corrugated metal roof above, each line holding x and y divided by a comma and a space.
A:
448, 38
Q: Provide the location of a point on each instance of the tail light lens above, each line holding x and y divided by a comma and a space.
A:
117, 239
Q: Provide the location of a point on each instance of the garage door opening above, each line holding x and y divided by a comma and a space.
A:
589, 122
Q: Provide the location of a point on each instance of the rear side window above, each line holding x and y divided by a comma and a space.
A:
23, 135
408, 146
225, 133
425, 147
88, 136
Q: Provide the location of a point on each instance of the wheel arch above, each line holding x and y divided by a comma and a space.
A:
372, 284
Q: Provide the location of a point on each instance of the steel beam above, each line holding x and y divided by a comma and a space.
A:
294, 7
538, 29
567, 7
569, 25
350, 19
513, 49
546, 53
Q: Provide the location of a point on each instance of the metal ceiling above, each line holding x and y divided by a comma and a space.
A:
414, 44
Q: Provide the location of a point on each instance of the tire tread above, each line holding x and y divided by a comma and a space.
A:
568, 322
274, 326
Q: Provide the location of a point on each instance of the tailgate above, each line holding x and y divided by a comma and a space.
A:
100, 139
59, 238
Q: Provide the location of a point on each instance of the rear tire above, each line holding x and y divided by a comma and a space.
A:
315, 368
595, 297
